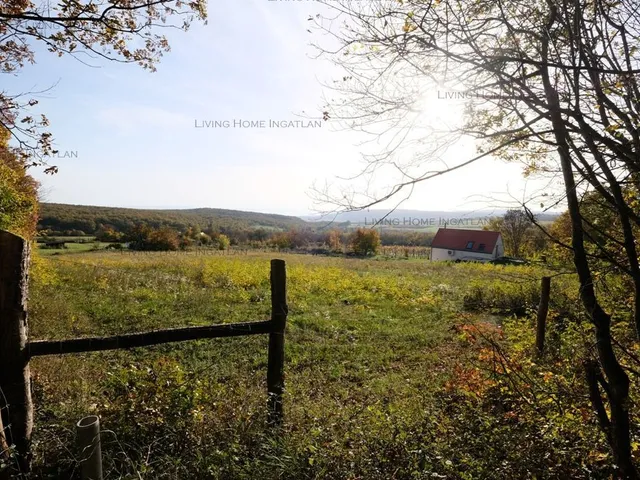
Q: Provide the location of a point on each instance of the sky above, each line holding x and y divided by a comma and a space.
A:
131, 138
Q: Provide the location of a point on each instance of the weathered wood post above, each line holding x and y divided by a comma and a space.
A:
543, 310
15, 378
275, 368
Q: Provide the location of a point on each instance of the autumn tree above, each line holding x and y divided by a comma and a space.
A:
223, 242
365, 241
554, 85
164, 238
258, 235
334, 240
516, 227
18, 192
281, 241
108, 234
138, 235
193, 232
144, 237
298, 238
601, 226
184, 242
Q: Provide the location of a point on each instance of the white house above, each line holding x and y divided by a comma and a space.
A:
456, 244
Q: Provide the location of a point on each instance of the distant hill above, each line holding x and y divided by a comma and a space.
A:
88, 219
63, 217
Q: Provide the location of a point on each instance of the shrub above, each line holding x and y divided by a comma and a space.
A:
164, 238
143, 237
223, 242
108, 234
365, 241
334, 240
281, 241
204, 239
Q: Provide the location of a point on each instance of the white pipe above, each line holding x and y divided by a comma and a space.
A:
88, 430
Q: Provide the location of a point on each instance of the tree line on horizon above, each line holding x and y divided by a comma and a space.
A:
175, 229
361, 242
89, 219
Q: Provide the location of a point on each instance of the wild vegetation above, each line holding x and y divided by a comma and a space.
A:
551, 85
145, 236
394, 369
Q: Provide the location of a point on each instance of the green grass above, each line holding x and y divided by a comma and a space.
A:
71, 248
69, 238
370, 347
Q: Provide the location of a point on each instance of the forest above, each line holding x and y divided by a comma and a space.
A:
61, 218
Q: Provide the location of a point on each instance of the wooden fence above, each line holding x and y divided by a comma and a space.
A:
16, 406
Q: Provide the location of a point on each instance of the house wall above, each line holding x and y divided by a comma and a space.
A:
498, 251
440, 254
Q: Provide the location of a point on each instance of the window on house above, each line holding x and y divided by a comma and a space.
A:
469, 245
481, 247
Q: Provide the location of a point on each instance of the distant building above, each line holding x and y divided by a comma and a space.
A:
476, 245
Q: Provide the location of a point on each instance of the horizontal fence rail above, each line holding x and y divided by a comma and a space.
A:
146, 339
16, 406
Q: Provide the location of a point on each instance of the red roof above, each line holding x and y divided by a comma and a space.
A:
456, 239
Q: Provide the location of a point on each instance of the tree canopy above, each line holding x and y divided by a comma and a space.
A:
124, 31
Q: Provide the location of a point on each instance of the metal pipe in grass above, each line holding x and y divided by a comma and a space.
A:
88, 440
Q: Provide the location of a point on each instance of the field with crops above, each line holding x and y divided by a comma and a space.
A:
394, 369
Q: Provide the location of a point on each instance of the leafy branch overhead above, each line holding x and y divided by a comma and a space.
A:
123, 31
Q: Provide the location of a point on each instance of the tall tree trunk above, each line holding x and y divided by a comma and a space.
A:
617, 381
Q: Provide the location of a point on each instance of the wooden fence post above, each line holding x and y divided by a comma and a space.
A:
15, 378
543, 309
275, 368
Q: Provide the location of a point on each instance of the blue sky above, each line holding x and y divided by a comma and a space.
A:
133, 137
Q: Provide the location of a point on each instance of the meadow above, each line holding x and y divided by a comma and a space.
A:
387, 370
72, 247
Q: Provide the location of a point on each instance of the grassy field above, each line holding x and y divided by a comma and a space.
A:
374, 354
71, 248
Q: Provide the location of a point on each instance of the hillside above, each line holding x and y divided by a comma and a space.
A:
62, 217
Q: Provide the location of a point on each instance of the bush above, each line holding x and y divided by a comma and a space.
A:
223, 242
334, 240
144, 237
365, 241
108, 234
163, 239
281, 241
185, 242
204, 239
